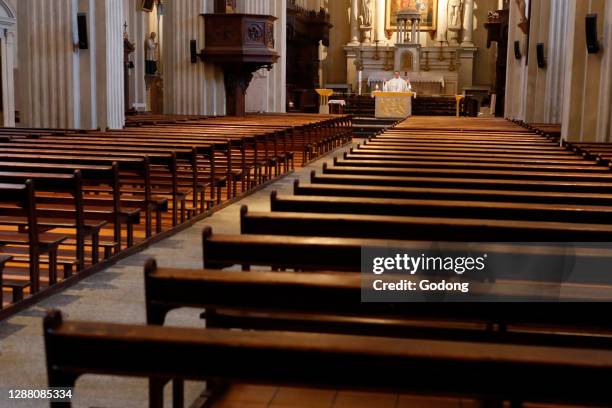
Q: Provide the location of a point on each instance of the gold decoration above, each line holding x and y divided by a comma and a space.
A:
427, 8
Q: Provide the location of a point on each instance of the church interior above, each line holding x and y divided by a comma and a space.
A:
305, 203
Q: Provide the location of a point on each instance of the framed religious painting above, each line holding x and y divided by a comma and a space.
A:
427, 8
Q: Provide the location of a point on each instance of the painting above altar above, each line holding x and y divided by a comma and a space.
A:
427, 8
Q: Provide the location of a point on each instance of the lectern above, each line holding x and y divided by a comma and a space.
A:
393, 105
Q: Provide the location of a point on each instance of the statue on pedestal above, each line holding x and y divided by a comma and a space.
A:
454, 13
365, 20
455, 20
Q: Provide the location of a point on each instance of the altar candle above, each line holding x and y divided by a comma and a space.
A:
360, 79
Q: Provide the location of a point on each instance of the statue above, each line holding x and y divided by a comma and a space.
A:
524, 24
151, 54
366, 13
365, 20
454, 13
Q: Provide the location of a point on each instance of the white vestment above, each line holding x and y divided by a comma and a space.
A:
397, 85
151, 50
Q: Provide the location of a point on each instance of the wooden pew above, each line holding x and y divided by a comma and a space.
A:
429, 366
486, 183
515, 195
603, 176
283, 301
167, 159
442, 208
418, 228
355, 154
3, 260
86, 224
344, 254
126, 211
19, 200
139, 168
456, 164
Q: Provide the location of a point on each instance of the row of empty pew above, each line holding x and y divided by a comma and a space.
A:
298, 301
73, 198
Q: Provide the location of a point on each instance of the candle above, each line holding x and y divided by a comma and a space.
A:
360, 79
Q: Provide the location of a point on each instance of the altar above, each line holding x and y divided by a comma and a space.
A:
393, 105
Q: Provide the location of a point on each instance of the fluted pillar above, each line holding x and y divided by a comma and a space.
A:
45, 75
604, 117
354, 15
557, 49
468, 23
189, 88
442, 22
137, 29
380, 22
268, 89
8, 80
109, 47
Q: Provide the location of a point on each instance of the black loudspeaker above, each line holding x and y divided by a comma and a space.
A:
193, 51
517, 50
541, 57
82, 31
591, 34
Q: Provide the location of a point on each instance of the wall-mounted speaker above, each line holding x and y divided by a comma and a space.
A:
193, 51
541, 57
82, 31
591, 34
517, 50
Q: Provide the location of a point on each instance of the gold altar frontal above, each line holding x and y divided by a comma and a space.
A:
395, 105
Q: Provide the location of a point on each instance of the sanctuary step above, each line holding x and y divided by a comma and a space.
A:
434, 106
367, 126
360, 105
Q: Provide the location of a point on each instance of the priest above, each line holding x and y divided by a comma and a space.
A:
397, 84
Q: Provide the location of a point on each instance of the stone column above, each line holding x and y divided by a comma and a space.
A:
354, 22
468, 23
8, 80
268, 89
557, 49
46, 63
604, 117
442, 22
380, 22
110, 103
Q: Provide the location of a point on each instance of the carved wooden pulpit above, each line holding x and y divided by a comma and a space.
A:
241, 44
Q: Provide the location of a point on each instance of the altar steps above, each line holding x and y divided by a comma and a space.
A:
364, 127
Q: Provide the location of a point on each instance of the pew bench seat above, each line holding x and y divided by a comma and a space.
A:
418, 228
459, 368
48, 240
17, 289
